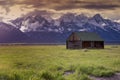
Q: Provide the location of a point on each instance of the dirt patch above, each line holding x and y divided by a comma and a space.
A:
85, 50
114, 46
114, 77
68, 72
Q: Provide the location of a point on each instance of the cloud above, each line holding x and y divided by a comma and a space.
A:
63, 4
118, 21
72, 4
103, 6
1, 18
6, 4
60, 6
89, 4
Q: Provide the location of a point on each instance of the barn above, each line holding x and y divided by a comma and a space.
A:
81, 40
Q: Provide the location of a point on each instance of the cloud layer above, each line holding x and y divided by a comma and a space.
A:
64, 4
88, 6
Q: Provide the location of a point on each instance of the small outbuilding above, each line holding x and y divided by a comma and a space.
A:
81, 40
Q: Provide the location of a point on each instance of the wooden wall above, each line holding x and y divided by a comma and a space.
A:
73, 37
93, 44
84, 44
99, 44
73, 44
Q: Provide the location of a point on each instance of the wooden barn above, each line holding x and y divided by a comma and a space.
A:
81, 40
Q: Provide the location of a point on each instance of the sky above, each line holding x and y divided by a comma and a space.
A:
12, 9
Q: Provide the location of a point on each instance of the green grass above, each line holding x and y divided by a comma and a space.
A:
51, 62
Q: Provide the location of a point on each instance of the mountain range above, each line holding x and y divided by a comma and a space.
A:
37, 28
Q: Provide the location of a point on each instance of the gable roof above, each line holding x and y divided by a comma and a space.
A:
88, 36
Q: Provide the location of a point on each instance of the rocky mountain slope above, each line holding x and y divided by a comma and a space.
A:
40, 29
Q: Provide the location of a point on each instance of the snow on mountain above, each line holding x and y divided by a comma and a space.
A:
68, 23
118, 21
34, 23
80, 20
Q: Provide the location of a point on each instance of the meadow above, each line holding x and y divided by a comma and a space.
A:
55, 62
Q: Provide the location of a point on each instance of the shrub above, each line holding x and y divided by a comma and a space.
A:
59, 77
49, 76
98, 71
5, 77
10, 77
85, 70
56, 68
102, 73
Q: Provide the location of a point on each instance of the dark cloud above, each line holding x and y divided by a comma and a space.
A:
103, 6
2, 2
35, 3
6, 4
91, 4
37, 12
63, 4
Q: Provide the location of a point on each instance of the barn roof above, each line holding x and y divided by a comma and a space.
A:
88, 36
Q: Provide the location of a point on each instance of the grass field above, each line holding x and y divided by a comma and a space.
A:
57, 63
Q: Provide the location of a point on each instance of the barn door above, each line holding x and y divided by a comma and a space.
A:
86, 44
92, 44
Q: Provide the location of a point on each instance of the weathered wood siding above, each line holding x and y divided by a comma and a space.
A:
73, 37
99, 44
86, 44
74, 44
92, 44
